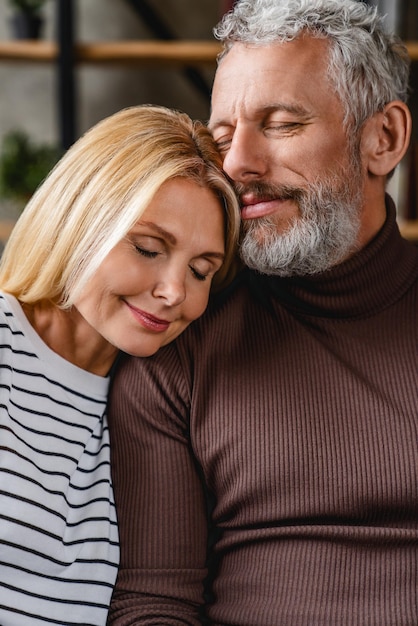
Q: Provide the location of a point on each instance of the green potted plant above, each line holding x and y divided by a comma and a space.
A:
27, 19
23, 166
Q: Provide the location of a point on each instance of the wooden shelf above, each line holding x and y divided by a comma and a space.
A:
138, 51
27, 50
160, 52
409, 229
166, 52
412, 49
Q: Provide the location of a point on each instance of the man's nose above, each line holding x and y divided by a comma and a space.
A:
245, 159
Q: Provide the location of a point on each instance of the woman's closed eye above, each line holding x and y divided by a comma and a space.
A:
198, 275
152, 254
149, 254
204, 268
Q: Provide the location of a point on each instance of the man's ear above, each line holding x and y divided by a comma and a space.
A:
385, 138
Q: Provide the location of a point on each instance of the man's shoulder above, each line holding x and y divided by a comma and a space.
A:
229, 297
235, 302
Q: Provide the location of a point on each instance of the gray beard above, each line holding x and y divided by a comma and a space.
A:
323, 235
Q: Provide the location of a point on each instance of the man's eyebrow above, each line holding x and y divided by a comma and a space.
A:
294, 108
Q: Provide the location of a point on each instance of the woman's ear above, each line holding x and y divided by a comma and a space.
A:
385, 138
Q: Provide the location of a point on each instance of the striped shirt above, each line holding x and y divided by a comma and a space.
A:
58, 533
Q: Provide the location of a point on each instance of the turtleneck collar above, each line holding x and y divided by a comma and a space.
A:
368, 282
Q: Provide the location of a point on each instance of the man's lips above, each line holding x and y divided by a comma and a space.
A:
148, 321
259, 207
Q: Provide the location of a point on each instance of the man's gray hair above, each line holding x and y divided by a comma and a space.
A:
368, 66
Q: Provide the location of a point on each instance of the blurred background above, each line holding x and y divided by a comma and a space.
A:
33, 99
28, 92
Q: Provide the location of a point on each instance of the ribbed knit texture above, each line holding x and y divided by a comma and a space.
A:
291, 409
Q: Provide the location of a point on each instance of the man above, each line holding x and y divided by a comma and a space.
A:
265, 465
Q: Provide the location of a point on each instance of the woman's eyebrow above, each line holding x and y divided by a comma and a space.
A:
161, 231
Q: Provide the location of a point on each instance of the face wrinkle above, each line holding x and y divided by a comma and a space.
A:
324, 233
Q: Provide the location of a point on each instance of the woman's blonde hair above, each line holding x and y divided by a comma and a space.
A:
99, 190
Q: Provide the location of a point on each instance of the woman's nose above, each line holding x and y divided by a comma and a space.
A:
171, 289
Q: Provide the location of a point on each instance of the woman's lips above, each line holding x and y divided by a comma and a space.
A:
148, 321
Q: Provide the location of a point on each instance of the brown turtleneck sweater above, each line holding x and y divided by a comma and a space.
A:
271, 454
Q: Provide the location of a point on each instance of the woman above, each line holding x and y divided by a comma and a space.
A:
116, 251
